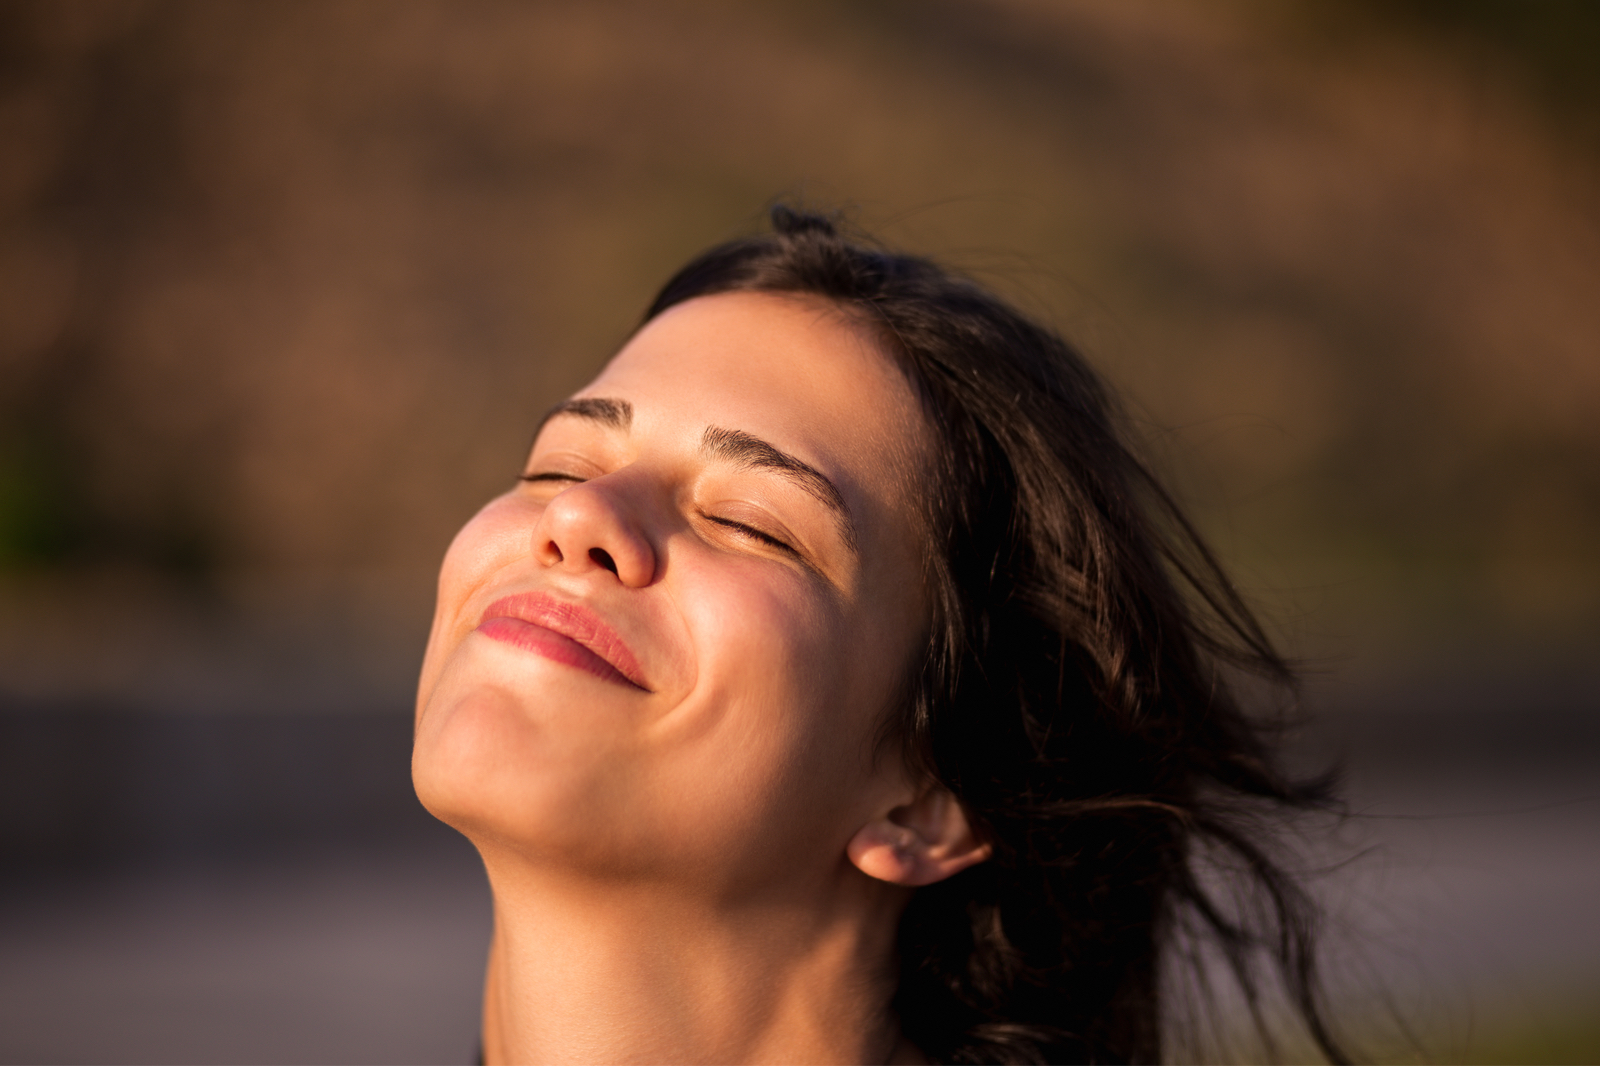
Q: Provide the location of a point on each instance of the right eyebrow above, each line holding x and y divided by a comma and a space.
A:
752, 451
617, 414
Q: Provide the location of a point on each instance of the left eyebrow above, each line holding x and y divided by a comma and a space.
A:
618, 414
749, 451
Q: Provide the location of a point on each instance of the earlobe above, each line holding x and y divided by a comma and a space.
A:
919, 843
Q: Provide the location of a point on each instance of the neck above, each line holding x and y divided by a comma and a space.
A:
633, 973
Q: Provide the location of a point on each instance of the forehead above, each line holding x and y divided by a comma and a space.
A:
792, 370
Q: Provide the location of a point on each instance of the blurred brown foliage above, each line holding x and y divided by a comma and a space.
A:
284, 286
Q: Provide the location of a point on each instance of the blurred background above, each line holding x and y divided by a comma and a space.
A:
284, 287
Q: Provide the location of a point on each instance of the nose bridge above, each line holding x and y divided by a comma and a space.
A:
598, 524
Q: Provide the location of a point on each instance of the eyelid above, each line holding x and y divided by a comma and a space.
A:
753, 532
564, 459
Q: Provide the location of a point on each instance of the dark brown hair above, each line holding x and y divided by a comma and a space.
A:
1075, 689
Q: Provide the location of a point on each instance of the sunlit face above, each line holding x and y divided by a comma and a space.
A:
667, 651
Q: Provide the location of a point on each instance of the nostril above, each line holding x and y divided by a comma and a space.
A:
603, 558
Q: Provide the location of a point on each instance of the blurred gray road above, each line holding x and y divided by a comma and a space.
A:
1462, 924
334, 958
1469, 913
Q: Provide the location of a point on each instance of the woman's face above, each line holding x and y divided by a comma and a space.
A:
666, 652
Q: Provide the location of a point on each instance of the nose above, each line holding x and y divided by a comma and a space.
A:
590, 527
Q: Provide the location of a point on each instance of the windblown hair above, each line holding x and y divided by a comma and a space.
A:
1074, 693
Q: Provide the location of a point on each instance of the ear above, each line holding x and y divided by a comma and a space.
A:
919, 843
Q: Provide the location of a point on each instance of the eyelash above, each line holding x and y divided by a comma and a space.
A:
752, 533
748, 531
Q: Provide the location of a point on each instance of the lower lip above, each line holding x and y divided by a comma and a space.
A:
552, 646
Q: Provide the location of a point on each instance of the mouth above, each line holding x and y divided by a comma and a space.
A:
564, 633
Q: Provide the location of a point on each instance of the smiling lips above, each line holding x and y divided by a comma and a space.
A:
564, 633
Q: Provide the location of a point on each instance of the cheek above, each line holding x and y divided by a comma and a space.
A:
775, 737
765, 637
497, 535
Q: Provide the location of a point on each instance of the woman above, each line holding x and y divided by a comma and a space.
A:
836, 686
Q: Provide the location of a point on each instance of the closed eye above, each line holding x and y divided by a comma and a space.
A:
752, 533
743, 529
549, 476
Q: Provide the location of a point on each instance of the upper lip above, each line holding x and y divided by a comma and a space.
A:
572, 621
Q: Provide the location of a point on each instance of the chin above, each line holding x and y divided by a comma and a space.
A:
481, 753
509, 778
